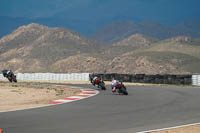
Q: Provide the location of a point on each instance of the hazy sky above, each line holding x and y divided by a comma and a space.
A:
164, 11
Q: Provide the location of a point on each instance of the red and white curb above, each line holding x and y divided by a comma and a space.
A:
85, 93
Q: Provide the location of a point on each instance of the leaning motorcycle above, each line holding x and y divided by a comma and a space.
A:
99, 83
121, 88
9, 75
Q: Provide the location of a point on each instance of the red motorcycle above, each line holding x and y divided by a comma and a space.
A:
121, 88
99, 83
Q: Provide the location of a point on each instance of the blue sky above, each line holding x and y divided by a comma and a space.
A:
164, 11
86, 16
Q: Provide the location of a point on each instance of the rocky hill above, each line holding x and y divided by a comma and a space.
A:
37, 48
120, 30
137, 41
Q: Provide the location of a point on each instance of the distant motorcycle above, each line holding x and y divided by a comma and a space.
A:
121, 88
99, 83
9, 75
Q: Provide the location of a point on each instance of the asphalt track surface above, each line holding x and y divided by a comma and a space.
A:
145, 108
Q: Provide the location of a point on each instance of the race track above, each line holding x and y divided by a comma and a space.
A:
145, 108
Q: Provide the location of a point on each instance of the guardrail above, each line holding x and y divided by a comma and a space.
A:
51, 76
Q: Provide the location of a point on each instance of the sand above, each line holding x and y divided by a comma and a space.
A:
14, 96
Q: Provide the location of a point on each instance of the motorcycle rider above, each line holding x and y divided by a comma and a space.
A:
7, 73
96, 80
114, 84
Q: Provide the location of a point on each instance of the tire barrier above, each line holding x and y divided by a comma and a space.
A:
143, 78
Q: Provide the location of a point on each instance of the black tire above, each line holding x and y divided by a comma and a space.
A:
124, 91
102, 86
10, 79
15, 80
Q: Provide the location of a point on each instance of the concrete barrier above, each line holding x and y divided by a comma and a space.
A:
51, 76
143, 78
196, 80
135, 78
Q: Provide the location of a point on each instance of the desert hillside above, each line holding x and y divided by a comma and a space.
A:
37, 48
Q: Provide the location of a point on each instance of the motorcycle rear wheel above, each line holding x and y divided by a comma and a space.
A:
124, 91
102, 85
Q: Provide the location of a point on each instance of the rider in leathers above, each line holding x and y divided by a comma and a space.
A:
7, 73
114, 85
96, 81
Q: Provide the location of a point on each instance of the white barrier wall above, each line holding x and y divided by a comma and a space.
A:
196, 80
1, 77
51, 76
70, 77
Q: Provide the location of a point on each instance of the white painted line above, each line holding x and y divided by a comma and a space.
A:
169, 128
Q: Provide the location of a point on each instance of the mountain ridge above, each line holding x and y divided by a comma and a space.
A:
119, 30
38, 48
125, 27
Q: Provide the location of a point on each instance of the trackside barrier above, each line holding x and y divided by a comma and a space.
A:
196, 80
137, 78
51, 76
1, 77
153, 79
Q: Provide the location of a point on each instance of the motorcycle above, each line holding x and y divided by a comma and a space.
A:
99, 83
121, 88
9, 75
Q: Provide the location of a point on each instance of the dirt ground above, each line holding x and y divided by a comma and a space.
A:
26, 94
187, 129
